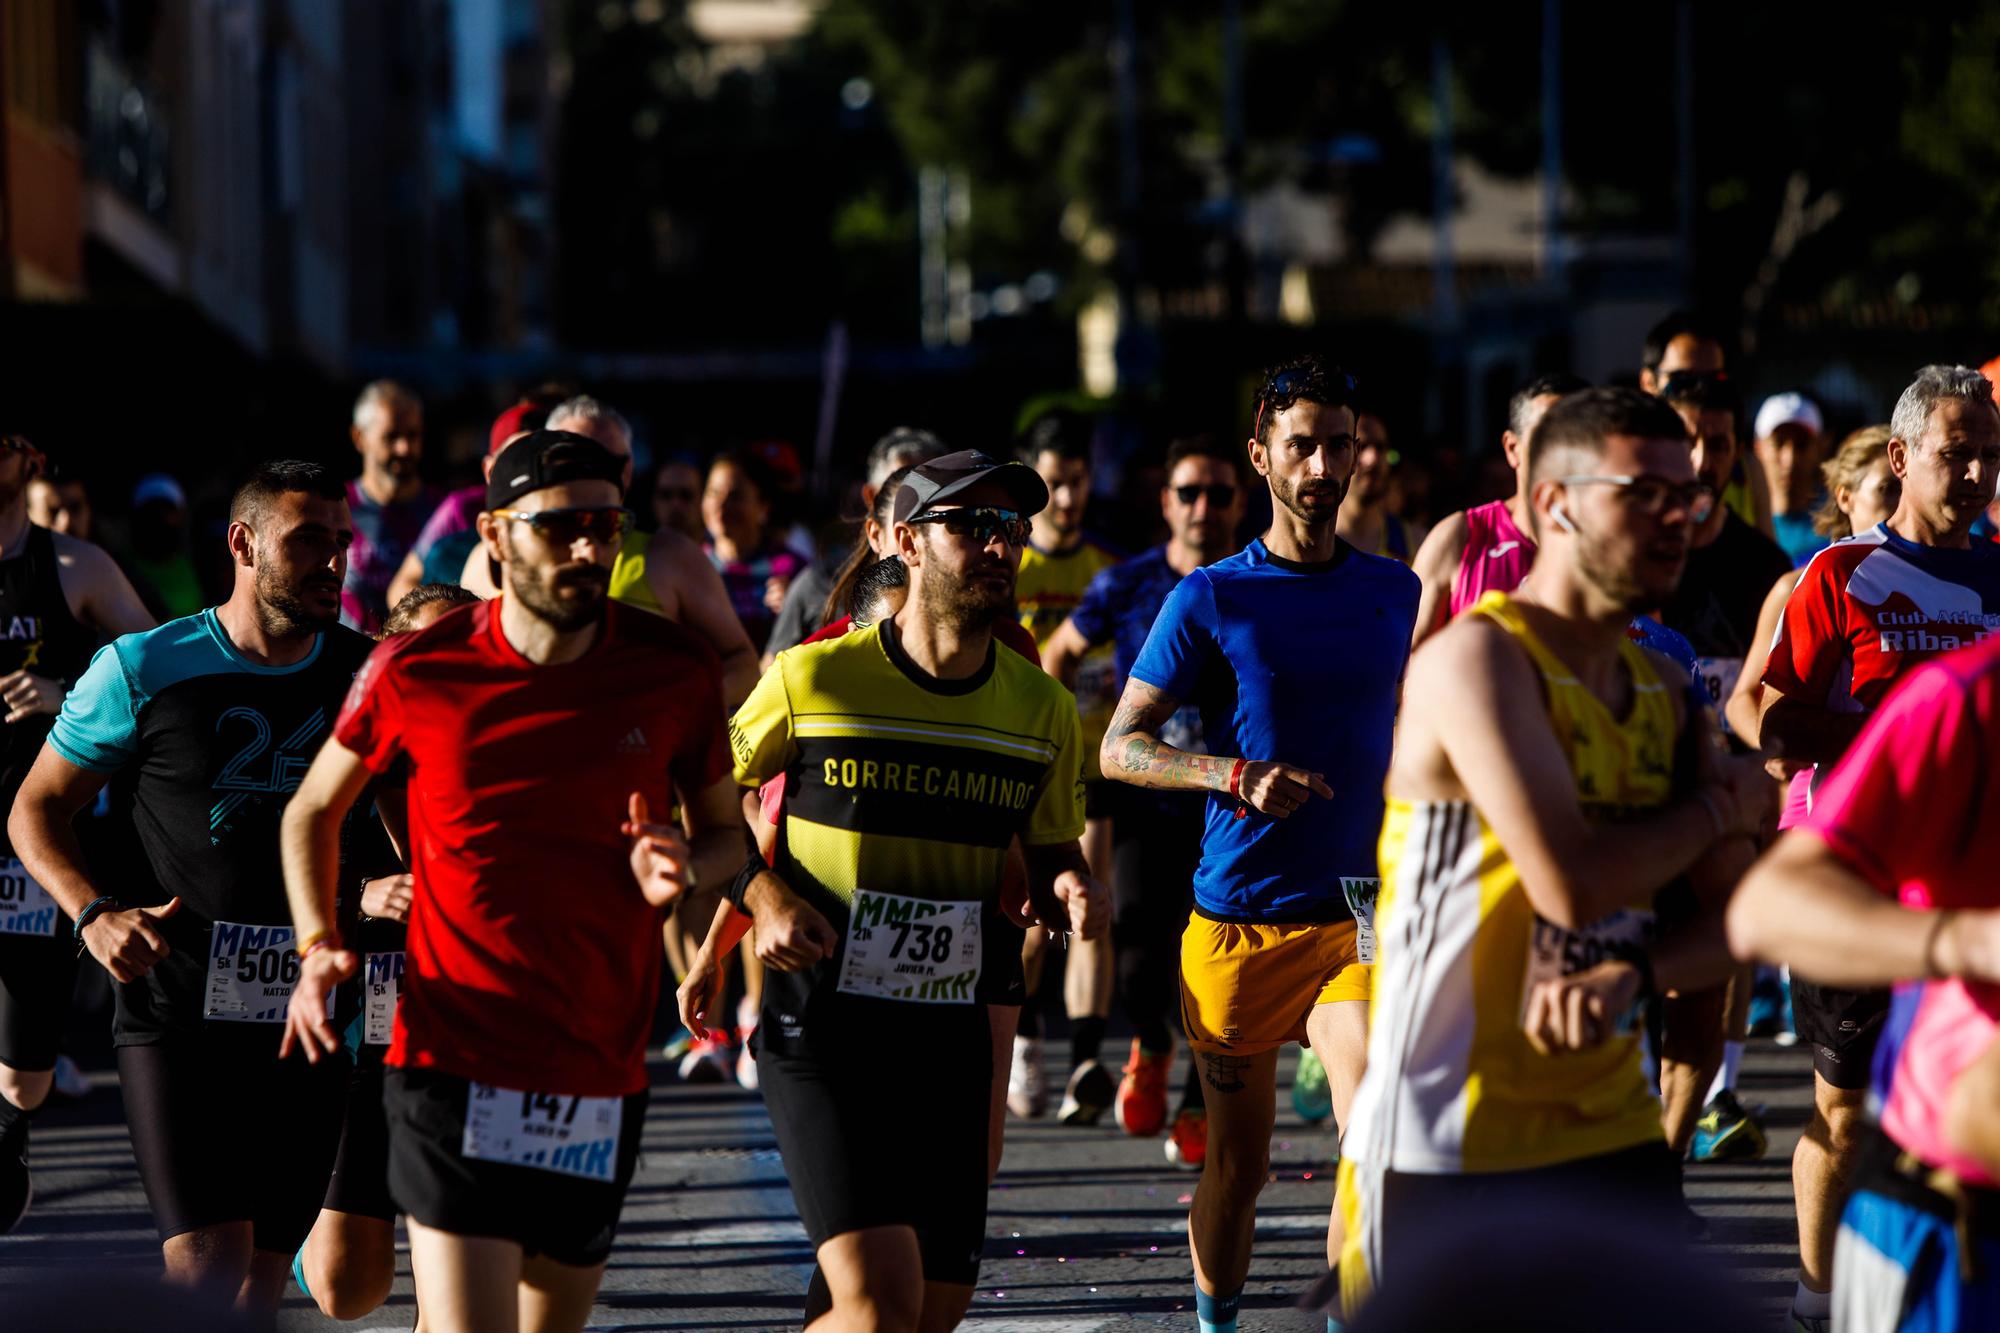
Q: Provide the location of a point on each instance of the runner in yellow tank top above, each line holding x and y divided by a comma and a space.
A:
1522, 852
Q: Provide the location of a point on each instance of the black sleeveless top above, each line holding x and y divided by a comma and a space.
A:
39, 635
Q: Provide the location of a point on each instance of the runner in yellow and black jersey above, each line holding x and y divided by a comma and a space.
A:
914, 753
901, 787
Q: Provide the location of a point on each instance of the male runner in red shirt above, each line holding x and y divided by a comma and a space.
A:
537, 727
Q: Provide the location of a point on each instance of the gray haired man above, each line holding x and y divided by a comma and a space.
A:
1866, 612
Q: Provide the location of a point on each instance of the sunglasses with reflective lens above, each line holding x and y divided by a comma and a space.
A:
566, 527
1220, 496
1287, 386
982, 523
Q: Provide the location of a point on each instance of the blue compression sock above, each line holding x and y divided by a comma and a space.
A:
1216, 1314
299, 1274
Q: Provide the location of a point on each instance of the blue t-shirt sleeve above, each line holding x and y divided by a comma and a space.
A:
98, 727
1182, 639
1095, 616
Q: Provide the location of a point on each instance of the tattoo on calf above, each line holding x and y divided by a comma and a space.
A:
1224, 1073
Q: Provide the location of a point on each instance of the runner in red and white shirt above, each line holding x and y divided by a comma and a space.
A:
1867, 611
541, 731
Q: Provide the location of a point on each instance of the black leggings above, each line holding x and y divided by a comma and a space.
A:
225, 1131
37, 978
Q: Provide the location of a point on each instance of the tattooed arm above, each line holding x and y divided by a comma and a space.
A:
1133, 752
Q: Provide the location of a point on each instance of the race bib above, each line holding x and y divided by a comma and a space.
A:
1719, 675
1096, 683
911, 949
25, 906
572, 1136
1554, 952
382, 991
251, 972
1361, 895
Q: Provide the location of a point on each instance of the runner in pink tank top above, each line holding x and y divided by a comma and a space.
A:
1497, 555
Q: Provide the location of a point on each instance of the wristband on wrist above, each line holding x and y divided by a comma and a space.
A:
1939, 925
1236, 788
740, 883
313, 943
94, 909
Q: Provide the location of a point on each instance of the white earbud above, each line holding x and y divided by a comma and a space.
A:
1559, 517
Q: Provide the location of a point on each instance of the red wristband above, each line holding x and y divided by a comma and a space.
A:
1235, 777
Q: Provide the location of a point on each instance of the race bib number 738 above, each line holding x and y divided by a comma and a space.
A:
912, 949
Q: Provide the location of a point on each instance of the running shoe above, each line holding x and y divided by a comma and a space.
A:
677, 1046
1767, 1004
708, 1060
1727, 1132
1187, 1141
17, 1188
1788, 1030
1141, 1108
1311, 1097
1027, 1085
71, 1082
1088, 1096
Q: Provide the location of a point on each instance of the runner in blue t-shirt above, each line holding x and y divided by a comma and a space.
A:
1156, 835
1294, 652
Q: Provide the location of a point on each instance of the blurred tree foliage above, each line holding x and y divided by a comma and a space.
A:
699, 201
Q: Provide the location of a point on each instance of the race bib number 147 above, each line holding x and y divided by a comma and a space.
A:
571, 1136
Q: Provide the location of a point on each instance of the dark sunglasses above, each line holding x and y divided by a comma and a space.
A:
1288, 386
1220, 496
982, 523
566, 527
684, 494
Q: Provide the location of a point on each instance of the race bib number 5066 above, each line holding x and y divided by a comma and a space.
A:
251, 971
911, 949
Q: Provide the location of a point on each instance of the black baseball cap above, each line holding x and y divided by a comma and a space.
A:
947, 478
549, 458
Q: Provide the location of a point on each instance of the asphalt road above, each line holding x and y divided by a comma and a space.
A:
1085, 1230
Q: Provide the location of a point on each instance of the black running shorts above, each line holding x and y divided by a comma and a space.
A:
360, 1183
567, 1218
225, 1131
1842, 1027
37, 978
865, 1147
